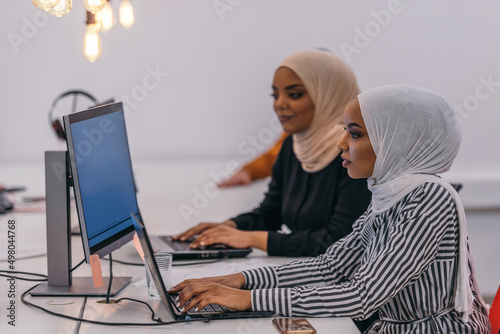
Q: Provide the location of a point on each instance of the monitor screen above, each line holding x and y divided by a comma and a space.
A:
102, 176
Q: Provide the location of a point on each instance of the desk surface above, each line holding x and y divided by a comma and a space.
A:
164, 189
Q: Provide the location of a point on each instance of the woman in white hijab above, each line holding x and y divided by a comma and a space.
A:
408, 257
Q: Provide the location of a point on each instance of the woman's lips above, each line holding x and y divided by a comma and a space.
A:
284, 119
346, 162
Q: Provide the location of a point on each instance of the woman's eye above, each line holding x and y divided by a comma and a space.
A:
354, 135
296, 95
274, 96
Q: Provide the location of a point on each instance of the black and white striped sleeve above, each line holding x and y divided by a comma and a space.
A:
340, 261
406, 247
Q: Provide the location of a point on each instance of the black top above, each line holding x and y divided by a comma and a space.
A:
319, 208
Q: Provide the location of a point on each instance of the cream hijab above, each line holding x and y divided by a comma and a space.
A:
415, 135
331, 84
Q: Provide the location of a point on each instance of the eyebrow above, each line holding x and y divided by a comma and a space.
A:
353, 125
290, 87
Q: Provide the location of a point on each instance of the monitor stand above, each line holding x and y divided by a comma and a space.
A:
60, 281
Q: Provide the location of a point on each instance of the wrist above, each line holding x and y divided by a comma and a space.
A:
230, 223
259, 240
240, 278
248, 299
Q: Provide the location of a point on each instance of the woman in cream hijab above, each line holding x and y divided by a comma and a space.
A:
408, 257
310, 193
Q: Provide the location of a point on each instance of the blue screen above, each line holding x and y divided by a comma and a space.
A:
104, 175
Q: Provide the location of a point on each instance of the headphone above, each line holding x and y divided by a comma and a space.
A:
55, 123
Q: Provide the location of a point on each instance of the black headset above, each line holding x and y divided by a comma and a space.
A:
55, 123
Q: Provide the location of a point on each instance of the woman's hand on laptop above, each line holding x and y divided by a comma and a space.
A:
222, 290
232, 237
236, 281
200, 228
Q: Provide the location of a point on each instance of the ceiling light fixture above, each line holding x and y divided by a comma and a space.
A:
100, 17
62, 8
93, 6
45, 4
92, 40
107, 17
126, 14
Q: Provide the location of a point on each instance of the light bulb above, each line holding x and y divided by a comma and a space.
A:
126, 14
62, 8
107, 17
92, 40
93, 6
45, 4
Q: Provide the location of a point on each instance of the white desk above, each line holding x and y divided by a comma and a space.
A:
163, 188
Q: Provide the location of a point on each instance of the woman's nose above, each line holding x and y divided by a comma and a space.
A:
342, 144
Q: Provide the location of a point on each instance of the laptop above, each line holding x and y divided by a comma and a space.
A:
212, 311
180, 250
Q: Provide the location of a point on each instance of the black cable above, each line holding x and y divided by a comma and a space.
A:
23, 278
160, 323
141, 264
140, 301
80, 315
22, 272
79, 264
45, 278
110, 277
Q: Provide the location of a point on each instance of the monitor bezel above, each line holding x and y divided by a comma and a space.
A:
108, 245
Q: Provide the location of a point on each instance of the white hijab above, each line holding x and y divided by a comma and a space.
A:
415, 135
331, 84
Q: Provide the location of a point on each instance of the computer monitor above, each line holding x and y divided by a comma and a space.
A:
102, 177
98, 167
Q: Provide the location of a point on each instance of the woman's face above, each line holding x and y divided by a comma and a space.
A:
357, 151
292, 102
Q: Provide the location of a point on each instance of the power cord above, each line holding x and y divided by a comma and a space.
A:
64, 316
43, 279
79, 264
23, 278
156, 321
111, 279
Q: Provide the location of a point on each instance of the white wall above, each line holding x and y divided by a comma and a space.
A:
220, 67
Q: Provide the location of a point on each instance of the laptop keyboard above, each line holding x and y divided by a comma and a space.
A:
210, 308
176, 245
184, 245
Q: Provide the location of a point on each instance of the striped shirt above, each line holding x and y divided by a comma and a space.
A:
401, 263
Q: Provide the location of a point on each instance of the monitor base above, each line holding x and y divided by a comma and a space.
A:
81, 287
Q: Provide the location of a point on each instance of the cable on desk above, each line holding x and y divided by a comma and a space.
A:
82, 311
141, 264
110, 277
43, 279
158, 322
